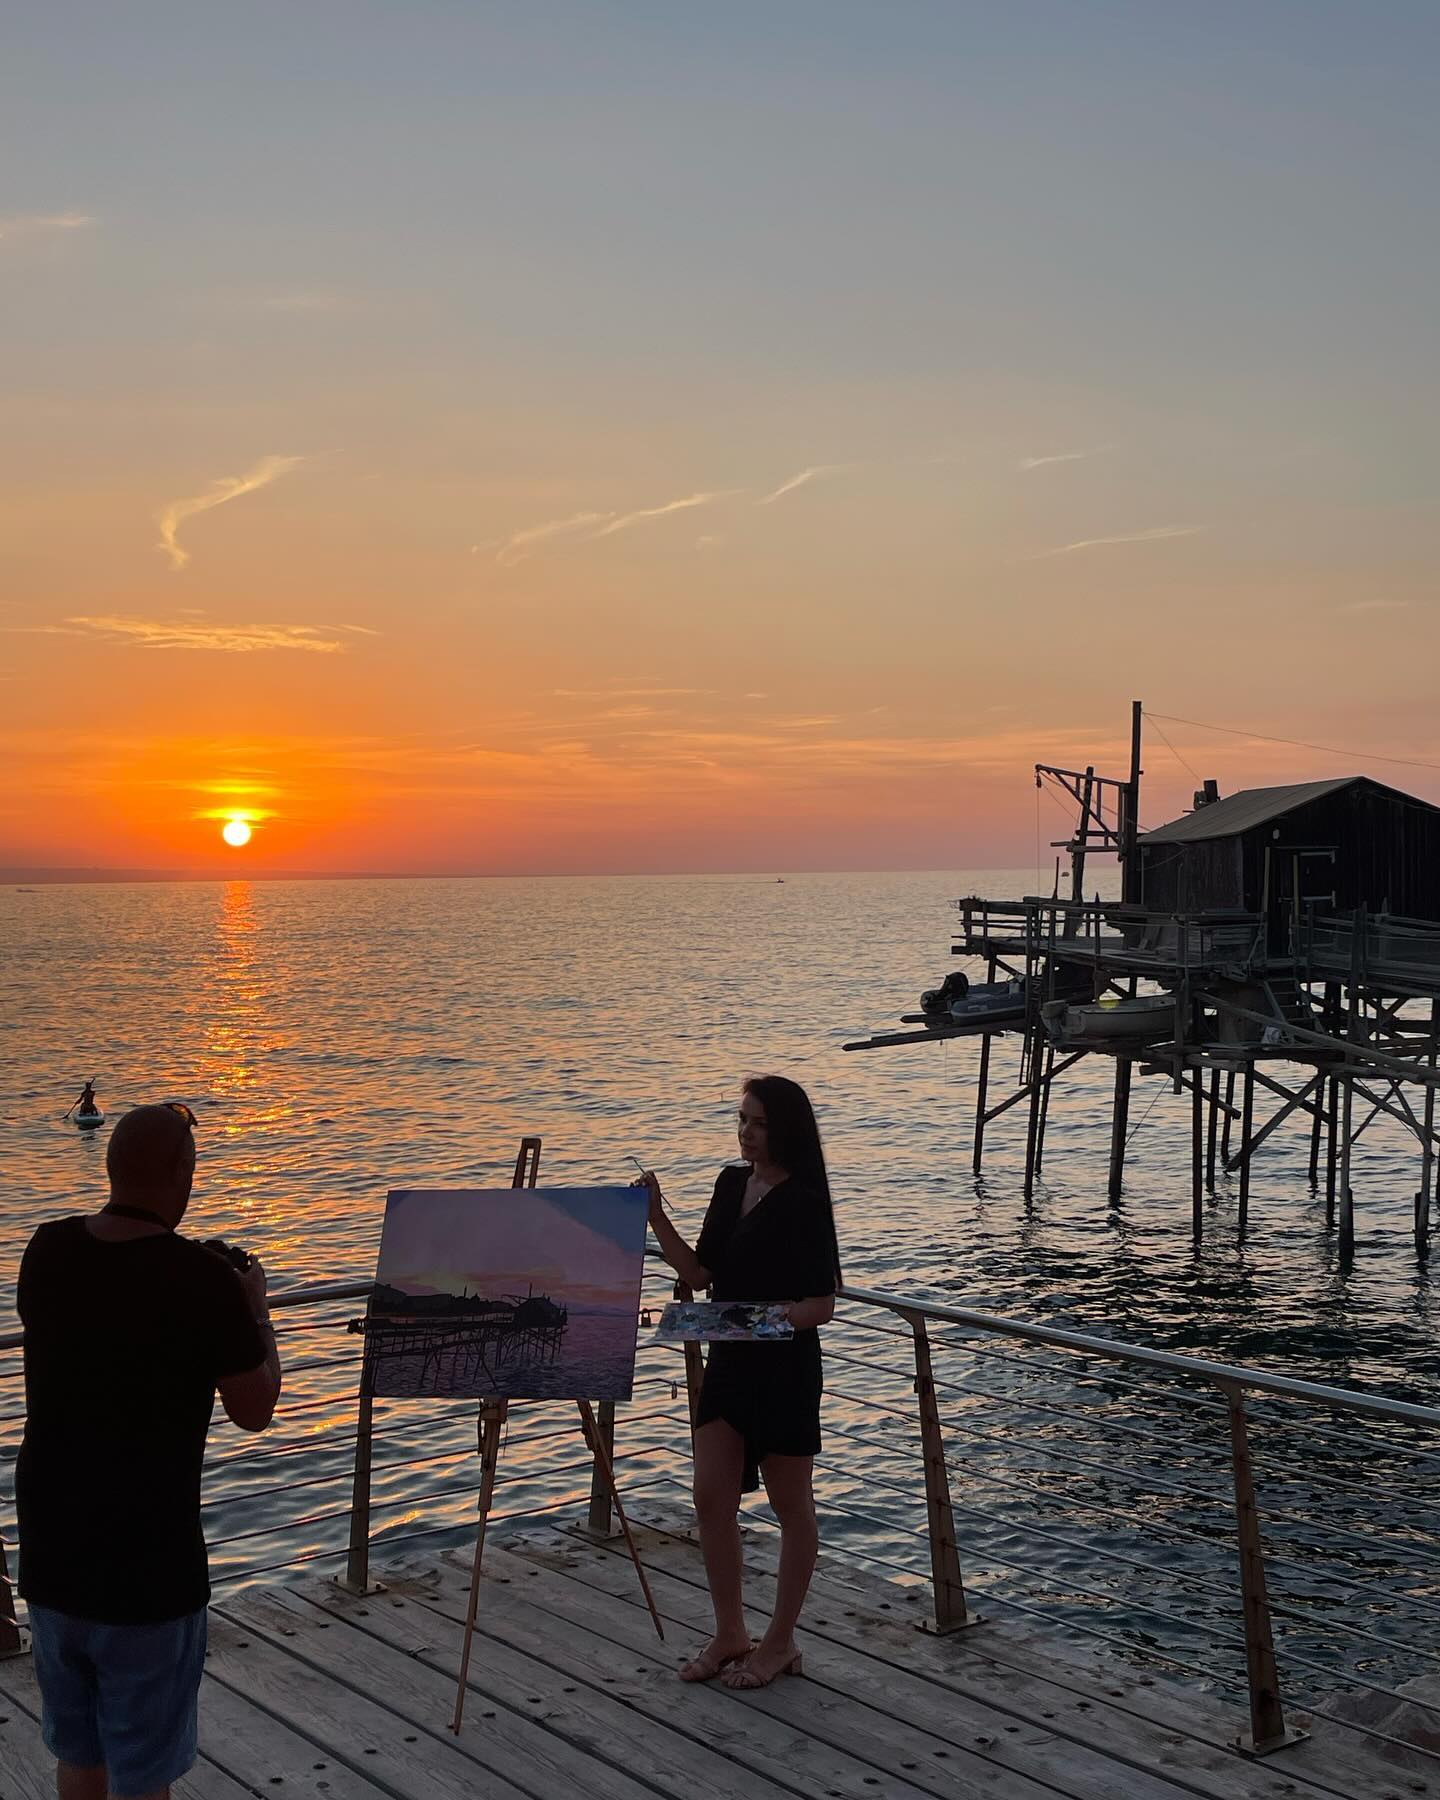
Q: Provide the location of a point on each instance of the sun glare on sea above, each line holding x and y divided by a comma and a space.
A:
235, 833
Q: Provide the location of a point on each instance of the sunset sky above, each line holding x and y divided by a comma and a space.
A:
639, 436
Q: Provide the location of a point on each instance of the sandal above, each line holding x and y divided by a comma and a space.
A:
745, 1678
707, 1665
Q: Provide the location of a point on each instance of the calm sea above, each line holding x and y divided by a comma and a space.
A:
340, 1038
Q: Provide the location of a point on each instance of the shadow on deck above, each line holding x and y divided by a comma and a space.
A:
311, 1691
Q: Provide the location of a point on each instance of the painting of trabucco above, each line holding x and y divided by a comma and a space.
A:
507, 1293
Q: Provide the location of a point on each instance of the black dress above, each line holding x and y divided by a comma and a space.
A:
783, 1249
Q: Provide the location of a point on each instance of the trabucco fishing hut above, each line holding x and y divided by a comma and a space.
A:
1285, 939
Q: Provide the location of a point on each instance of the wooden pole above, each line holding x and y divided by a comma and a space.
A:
492, 1419
1247, 1120
1211, 1126
949, 1589
1197, 1163
1130, 824
1332, 1127
1268, 1730
1229, 1114
1037, 1089
1427, 1154
1347, 1193
1119, 1122
357, 1563
982, 1088
596, 1446
1317, 1125
1045, 1108
598, 1518
982, 1094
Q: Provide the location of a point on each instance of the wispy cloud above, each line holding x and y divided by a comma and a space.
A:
19, 226
631, 693
515, 549
191, 634
1026, 463
1368, 606
591, 525
229, 487
816, 473
624, 521
1151, 536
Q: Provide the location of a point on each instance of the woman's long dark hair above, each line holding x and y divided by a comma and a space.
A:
794, 1140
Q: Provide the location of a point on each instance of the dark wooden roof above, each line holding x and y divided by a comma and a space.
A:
1239, 813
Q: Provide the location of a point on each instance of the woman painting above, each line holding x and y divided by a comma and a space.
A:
769, 1235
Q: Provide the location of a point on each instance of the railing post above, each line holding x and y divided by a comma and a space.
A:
1268, 1730
14, 1639
950, 1613
600, 1516
357, 1564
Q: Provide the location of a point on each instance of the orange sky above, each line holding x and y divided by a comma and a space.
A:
695, 458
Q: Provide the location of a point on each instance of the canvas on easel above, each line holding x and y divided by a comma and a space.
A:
507, 1294
510, 1293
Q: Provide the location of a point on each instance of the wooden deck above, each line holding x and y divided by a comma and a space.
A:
311, 1691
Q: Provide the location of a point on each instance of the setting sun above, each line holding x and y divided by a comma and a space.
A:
236, 832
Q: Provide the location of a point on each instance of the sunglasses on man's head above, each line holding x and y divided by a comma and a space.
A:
179, 1106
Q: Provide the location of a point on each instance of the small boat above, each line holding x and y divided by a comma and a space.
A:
89, 1121
959, 1005
1113, 1018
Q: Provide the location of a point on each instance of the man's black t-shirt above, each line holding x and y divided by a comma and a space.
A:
124, 1344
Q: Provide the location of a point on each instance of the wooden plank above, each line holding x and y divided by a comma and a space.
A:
266, 1757
358, 1731
945, 1737
23, 1753
410, 1655
1335, 1761
764, 1754
27, 1769
1134, 1715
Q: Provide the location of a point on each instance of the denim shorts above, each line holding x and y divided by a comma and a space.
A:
121, 1695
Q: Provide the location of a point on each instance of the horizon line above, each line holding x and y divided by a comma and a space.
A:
100, 875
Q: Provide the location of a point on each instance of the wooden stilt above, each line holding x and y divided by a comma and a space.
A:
982, 1096
1317, 1125
1427, 1153
1211, 1128
1229, 1114
1332, 1126
1247, 1121
1037, 1088
1197, 1164
1119, 1124
1044, 1108
1347, 1193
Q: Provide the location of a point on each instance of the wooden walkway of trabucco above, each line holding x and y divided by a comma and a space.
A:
312, 1691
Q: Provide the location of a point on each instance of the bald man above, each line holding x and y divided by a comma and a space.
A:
129, 1331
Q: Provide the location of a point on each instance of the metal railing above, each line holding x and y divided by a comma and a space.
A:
1134, 1448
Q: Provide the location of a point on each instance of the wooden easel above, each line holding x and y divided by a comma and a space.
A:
493, 1416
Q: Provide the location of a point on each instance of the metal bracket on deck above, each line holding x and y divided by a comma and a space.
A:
359, 1591
1247, 1746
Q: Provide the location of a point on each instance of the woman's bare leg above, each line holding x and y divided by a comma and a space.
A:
787, 1482
719, 1471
